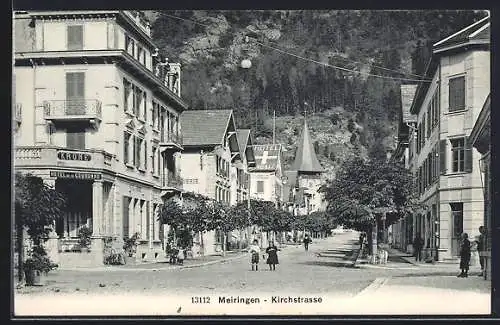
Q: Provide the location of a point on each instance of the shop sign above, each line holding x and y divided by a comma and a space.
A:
71, 155
75, 175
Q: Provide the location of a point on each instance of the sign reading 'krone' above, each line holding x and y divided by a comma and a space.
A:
70, 155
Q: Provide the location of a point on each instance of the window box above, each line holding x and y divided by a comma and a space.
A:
142, 170
155, 175
129, 165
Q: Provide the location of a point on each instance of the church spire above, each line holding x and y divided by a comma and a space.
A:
305, 157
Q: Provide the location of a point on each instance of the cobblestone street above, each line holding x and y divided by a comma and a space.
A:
299, 273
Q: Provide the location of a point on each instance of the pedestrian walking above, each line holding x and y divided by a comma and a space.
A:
418, 244
272, 256
254, 250
464, 256
307, 241
181, 256
480, 248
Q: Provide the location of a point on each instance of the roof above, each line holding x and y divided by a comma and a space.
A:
305, 157
243, 135
245, 142
477, 31
204, 127
475, 35
267, 156
407, 94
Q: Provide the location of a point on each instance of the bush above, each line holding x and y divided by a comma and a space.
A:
39, 261
84, 235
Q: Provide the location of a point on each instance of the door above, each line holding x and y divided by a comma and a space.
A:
457, 219
75, 93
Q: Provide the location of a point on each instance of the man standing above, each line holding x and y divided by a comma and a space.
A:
480, 248
417, 246
307, 240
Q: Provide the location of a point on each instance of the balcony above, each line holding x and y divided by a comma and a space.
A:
172, 182
49, 156
82, 110
17, 116
171, 141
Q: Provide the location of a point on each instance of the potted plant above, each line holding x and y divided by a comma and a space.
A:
37, 266
130, 245
84, 241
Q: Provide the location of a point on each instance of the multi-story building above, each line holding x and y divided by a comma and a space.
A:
266, 176
403, 228
447, 176
266, 181
100, 121
480, 139
210, 150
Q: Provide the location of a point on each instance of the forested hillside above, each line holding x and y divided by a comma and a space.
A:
349, 112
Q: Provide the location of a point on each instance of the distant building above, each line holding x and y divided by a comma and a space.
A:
480, 138
304, 179
402, 230
97, 116
443, 161
211, 150
266, 176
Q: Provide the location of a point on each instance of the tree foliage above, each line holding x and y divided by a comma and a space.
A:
37, 206
364, 188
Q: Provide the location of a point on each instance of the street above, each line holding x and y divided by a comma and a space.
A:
162, 289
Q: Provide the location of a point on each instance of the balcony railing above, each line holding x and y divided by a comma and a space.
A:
172, 180
32, 156
168, 139
76, 109
18, 113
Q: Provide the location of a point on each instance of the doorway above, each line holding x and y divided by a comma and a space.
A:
78, 210
457, 219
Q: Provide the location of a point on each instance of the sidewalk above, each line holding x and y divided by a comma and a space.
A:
163, 265
427, 295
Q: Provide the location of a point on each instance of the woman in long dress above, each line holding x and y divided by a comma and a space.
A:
464, 256
272, 256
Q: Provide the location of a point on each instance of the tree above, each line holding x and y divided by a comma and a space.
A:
364, 189
37, 207
219, 219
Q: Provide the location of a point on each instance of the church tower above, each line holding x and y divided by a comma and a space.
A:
308, 174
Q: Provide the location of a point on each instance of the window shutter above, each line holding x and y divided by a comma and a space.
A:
125, 148
468, 155
75, 37
442, 156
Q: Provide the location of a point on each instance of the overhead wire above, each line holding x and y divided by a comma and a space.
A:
421, 78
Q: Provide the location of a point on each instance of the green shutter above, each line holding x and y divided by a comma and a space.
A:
468, 155
442, 156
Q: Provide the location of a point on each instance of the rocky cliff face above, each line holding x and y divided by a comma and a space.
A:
349, 112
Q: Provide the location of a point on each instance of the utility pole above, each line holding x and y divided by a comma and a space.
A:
274, 126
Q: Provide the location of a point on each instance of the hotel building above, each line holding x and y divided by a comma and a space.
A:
98, 118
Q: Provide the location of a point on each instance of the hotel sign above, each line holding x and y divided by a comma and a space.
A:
71, 155
75, 175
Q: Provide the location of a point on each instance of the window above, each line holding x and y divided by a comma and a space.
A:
75, 93
75, 37
429, 121
130, 45
144, 105
260, 186
140, 53
458, 155
154, 163
138, 148
155, 115
457, 94
127, 90
126, 147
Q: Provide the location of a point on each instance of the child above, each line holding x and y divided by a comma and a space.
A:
181, 256
254, 250
272, 253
